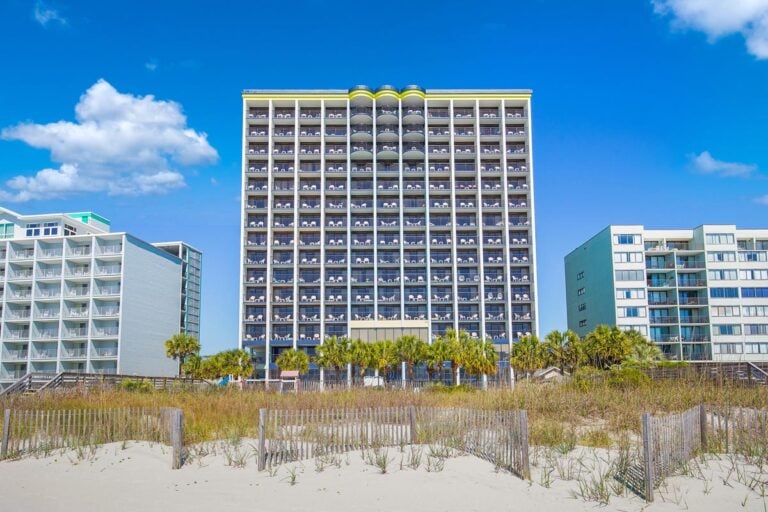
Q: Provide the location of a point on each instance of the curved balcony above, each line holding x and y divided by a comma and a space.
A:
388, 151
413, 133
362, 133
387, 133
362, 152
413, 114
413, 151
387, 114
361, 115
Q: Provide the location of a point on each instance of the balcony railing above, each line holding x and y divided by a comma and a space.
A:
104, 352
106, 331
664, 320
15, 355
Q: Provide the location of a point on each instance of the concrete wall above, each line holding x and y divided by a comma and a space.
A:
150, 309
595, 259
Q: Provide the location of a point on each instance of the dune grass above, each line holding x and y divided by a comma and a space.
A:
559, 415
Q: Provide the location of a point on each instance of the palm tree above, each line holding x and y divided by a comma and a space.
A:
293, 359
193, 366
333, 353
607, 346
384, 356
181, 345
230, 362
460, 351
437, 354
410, 350
555, 349
527, 354
361, 355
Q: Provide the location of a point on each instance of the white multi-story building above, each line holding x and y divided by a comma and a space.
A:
407, 209
700, 294
76, 297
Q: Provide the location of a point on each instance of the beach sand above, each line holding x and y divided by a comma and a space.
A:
136, 476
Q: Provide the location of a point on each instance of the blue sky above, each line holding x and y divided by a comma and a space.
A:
644, 112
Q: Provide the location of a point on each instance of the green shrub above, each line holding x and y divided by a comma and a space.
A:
137, 385
627, 378
439, 387
586, 377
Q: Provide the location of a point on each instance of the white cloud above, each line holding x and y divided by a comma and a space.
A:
719, 18
705, 163
46, 15
762, 200
151, 65
120, 144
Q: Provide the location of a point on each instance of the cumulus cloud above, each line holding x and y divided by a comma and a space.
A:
46, 16
120, 144
719, 18
705, 163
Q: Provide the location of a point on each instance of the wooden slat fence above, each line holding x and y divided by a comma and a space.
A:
27, 432
737, 430
498, 436
669, 442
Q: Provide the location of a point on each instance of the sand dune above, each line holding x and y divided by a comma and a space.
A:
136, 477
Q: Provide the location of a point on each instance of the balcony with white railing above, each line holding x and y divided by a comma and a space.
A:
108, 270
23, 254
82, 251
16, 334
111, 249
76, 332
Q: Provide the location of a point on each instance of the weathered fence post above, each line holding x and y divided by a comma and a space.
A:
402, 373
703, 426
177, 437
511, 377
262, 445
525, 468
349, 375
412, 420
322, 379
648, 462
6, 433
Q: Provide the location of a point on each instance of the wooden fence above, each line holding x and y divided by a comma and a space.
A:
737, 430
28, 432
497, 436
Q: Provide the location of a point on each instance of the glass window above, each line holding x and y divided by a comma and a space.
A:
720, 238
629, 275
6, 230
628, 257
630, 293
631, 312
756, 329
754, 292
727, 330
727, 348
722, 275
580, 276
724, 293
50, 229
753, 256
721, 256
724, 310
626, 239
751, 275
755, 310
581, 291
33, 229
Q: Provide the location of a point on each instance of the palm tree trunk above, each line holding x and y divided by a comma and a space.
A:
410, 371
455, 370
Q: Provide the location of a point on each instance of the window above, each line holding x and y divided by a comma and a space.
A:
581, 291
721, 256
724, 310
727, 348
632, 312
629, 275
639, 328
630, 293
69, 230
722, 275
720, 238
626, 239
724, 293
580, 276
753, 256
582, 323
33, 229
726, 330
756, 329
582, 306
755, 310
50, 229
6, 230
754, 292
751, 275
628, 257
756, 348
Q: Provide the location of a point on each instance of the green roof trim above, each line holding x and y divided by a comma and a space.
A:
85, 217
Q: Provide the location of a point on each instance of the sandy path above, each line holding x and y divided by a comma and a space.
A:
138, 478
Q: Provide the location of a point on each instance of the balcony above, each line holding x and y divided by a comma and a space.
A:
664, 320
15, 355
105, 332
49, 253
661, 283
74, 353
695, 319
667, 301
111, 249
23, 254
45, 353
104, 352
80, 251
692, 283
20, 275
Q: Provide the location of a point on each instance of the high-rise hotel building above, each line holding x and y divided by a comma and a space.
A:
700, 294
372, 213
78, 297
